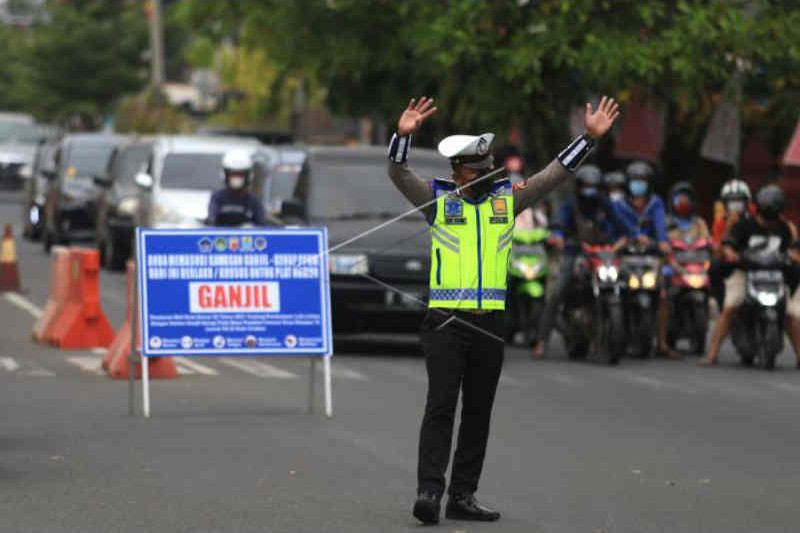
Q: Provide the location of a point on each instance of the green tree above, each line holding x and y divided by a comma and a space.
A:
86, 57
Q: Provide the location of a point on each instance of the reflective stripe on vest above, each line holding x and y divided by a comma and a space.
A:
470, 245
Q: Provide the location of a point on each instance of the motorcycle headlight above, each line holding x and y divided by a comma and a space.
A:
128, 206
767, 299
26, 171
649, 280
167, 218
633, 282
696, 281
607, 273
348, 264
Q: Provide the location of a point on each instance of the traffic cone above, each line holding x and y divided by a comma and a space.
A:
116, 360
59, 292
9, 274
82, 324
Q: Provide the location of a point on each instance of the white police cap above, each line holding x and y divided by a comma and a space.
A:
473, 151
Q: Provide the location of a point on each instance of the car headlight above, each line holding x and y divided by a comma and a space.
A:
348, 264
167, 218
26, 171
633, 282
128, 206
607, 273
649, 280
767, 299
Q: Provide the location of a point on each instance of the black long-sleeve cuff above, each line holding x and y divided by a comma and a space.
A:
573, 155
398, 148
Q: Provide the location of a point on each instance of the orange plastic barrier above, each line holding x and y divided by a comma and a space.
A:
116, 360
81, 323
9, 272
59, 291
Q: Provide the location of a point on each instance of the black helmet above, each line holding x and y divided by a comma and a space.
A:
681, 208
589, 176
639, 175
682, 187
614, 180
770, 202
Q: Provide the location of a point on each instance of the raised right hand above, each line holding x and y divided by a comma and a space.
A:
414, 115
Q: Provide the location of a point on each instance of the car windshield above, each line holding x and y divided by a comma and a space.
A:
89, 159
15, 131
130, 162
343, 186
201, 171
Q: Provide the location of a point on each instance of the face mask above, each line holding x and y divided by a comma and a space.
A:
236, 182
588, 192
637, 188
681, 205
736, 206
616, 196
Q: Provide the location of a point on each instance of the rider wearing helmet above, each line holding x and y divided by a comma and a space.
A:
642, 211
765, 229
685, 225
735, 197
235, 205
615, 182
586, 216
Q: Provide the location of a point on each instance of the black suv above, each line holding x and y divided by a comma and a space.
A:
379, 282
71, 192
118, 203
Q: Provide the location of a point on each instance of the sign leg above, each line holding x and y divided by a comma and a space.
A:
312, 375
145, 387
134, 355
326, 362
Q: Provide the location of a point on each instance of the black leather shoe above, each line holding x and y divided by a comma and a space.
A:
427, 506
466, 507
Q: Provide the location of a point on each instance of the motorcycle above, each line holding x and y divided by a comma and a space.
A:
640, 268
688, 293
592, 311
758, 328
528, 270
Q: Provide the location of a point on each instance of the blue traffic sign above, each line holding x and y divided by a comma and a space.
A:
234, 292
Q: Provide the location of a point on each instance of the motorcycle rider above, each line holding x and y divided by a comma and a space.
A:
766, 228
586, 216
642, 211
682, 224
235, 205
614, 183
736, 200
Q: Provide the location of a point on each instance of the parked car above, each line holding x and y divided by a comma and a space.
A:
118, 202
72, 194
36, 189
379, 283
19, 138
181, 173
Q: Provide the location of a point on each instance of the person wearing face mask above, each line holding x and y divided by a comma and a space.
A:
642, 211
682, 224
765, 228
585, 217
614, 183
472, 221
235, 205
736, 199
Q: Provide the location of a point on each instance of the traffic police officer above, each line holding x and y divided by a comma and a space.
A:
235, 205
472, 220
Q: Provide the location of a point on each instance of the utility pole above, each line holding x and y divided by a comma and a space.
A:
156, 49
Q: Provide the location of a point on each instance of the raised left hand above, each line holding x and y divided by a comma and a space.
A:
600, 121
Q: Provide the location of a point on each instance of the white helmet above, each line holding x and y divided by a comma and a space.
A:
237, 161
735, 190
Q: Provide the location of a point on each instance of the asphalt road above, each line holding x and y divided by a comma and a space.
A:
651, 446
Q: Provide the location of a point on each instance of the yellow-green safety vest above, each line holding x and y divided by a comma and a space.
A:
470, 243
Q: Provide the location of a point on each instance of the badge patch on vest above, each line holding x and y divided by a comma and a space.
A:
455, 220
499, 206
453, 208
498, 220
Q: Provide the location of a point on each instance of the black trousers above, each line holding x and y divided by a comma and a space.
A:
459, 356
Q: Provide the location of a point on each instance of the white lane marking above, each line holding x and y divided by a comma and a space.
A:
9, 364
510, 382
40, 373
652, 383
24, 304
187, 363
87, 363
787, 387
99, 350
262, 370
563, 379
343, 373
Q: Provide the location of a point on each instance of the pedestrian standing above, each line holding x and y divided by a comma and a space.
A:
472, 221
